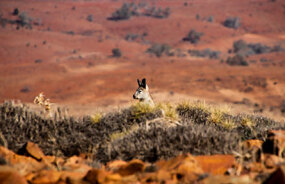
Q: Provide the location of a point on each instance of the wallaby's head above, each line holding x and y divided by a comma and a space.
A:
142, 93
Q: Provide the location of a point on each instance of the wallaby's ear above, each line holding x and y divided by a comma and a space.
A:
144, 83
139, 82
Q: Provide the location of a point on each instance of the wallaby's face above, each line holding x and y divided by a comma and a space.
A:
142, 93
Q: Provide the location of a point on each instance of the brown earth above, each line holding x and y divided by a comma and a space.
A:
77, 69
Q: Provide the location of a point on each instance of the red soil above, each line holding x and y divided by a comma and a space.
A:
77, 70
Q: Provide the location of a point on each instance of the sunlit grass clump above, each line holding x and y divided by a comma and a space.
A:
96, 117
119, 135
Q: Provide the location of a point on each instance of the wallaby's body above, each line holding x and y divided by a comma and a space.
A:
142, 93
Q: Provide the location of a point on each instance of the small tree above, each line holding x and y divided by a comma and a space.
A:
193, 36
237, 60
159, 49
116, 52
232, 22
90, 18
24, 20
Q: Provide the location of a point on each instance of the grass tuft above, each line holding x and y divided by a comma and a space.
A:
248, 122
141, 109
169, 111
96, 118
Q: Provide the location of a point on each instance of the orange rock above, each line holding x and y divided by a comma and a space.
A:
49, 159
188, 171
277, 177
113, 178
9, 175
275, 143
148, 178
132, 167
33, 150
95, 176
215, 164
249, 144
76, 163
163, 175
72, 176
271, 161
174, 162
22, 164
115, 165
219, 179
183, 168
46, 176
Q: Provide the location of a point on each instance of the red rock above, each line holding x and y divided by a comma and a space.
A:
249, 144
95, 176
275, 143
115, 165
271, 161
215, 164
188, 171
113, 178
221, 179
9, 175
46, 176
33, 150
77, 164
132, 167
21, 163
173, 163
72, 176
277, 177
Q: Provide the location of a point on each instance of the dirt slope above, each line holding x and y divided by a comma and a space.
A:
69, 58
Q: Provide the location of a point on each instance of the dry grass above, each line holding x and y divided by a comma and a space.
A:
96, 117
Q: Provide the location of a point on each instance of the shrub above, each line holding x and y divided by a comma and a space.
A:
123, 134
38, 61
159, 49
205, 53
157, 12
232, 22
131, 9
90, 18
237, 60
210, 19
25, 89
116, 52
124, 13
240, 47
193, 36
24, 20
15, 11
131, 37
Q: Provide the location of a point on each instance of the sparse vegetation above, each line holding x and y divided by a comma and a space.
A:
24, 20
128, 10
90, 18
244, 49
232, 22
159, 49
205, 53
123, 134
15, 11
116, 52
237, 60
193, 36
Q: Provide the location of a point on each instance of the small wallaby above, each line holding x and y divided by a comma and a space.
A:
142, 93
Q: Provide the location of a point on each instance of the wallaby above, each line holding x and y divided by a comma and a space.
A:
142, 93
